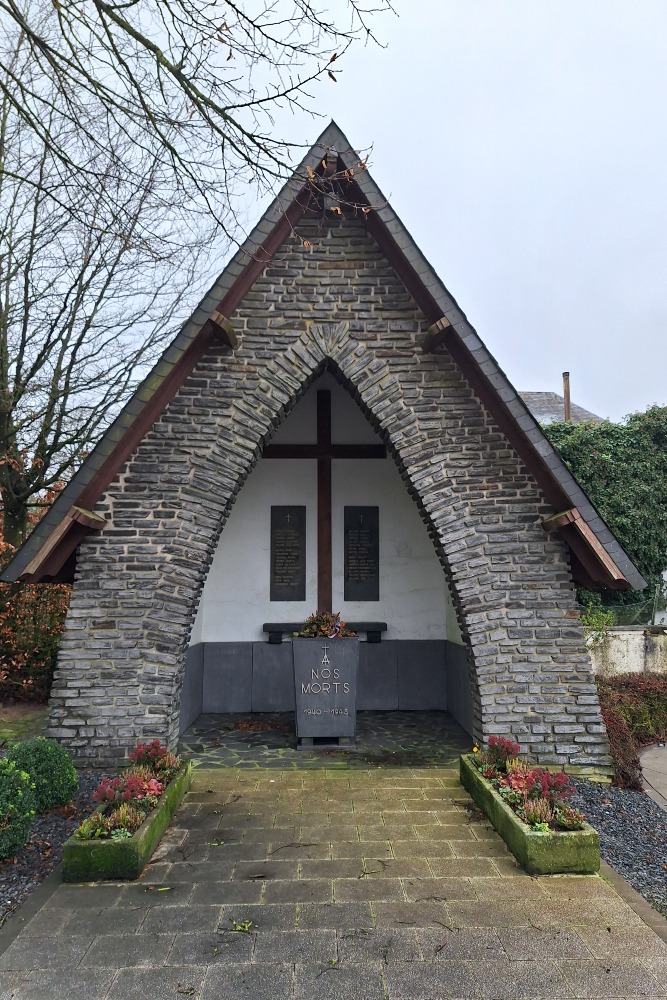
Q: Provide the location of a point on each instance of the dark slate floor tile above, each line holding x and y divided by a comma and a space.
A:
243, 852
610, 979
11, 984
118, 951
504, 980
267, 870
201, 871
226, 892
263, 916
333, 982
183, 919
42, 952
437, 890
147, 893
349, 889
302, 891
158, 984
335, 915
53, 985
248, 982
112, 921
538, 943
411, 914
51, 922
440, 944
226, 946
301, 946
426, 981
393, 944
341, 868
75, 897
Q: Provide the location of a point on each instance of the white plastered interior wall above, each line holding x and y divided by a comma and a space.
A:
414, 597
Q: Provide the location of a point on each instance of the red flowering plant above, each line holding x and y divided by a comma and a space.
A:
32, 617
127, 799
536, 795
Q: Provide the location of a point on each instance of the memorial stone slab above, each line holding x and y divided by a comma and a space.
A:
362, 553
288, 554
325, 682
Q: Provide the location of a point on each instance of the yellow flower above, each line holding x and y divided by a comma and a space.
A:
475, 749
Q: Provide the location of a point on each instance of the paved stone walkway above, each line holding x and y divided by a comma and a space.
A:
384, 884
654, 769
410, 739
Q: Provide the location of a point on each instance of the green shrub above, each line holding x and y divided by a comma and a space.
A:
17, 807
51, 769
634, 709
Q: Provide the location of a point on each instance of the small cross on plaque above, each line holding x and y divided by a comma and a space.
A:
288, 518
325, 658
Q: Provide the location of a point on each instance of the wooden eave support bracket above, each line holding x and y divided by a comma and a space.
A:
63, 540
223, 328
598, 565
435, 335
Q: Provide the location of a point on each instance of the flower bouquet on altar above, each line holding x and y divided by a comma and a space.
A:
324, 624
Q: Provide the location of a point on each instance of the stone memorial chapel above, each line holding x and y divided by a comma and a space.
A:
326, 431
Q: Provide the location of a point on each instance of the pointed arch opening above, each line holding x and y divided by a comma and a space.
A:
423, 661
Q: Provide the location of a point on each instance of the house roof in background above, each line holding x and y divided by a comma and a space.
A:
598, 559
549, 408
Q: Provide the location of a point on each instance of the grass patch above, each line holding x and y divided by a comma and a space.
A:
21, 721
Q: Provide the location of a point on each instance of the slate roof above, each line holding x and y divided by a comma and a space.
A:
549, 407
47, 546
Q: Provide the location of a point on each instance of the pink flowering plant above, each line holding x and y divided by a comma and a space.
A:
536, 795
126, 800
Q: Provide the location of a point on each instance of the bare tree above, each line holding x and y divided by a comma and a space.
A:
197, 81
91, 280
127, 130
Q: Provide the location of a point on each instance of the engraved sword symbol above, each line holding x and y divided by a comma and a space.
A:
325, 658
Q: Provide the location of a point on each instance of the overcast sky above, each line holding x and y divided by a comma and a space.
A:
524, 145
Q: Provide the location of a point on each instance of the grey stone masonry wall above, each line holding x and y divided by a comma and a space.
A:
336, 302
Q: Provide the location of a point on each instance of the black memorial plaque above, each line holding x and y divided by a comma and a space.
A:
288, 553
325, 682
362, 553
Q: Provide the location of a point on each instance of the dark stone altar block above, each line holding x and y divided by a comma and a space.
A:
377, 687
422, 676
362, 553
272, 677
288, 554
325, 684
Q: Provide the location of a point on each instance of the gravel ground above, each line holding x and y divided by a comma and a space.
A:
633, 836
632, 828
20, 876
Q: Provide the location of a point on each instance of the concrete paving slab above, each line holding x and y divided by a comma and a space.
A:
654, 769
446, 913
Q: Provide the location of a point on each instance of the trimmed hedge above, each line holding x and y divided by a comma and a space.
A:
634, 709
17, 807
50, 768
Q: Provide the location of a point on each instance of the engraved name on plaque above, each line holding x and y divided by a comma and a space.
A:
362, 554
288, 554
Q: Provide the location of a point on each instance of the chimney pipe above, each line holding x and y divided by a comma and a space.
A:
566, 397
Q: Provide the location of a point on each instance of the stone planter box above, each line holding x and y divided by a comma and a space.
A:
568, 851
325, 688
92, 860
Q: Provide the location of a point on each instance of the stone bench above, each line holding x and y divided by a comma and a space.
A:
276, 630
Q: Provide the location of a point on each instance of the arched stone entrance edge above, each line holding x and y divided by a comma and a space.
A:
138, 582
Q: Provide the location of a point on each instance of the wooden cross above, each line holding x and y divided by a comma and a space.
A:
324, 451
